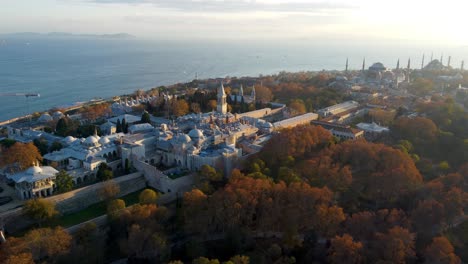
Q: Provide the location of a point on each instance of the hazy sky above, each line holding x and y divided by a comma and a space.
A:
440, 22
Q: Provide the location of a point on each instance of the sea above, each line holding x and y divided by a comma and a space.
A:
65, 71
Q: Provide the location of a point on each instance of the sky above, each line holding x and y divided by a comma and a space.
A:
438, 22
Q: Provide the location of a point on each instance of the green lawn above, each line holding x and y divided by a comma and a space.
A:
92, 211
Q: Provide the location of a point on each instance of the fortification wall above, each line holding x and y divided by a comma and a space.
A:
74, 201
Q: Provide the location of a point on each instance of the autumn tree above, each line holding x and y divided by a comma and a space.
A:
343, 250
21, 156
40, 210
63, 181
263, 94
297, 106
148, 196
395, 246
179, 107
114, 207
441, 251
41, 245
212, 104
109, 190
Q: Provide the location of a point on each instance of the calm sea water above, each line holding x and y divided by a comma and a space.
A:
65, 71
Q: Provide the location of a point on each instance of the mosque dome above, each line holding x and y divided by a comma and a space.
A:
104, 140
378, 66
69, 140
34, 170
183, 138
267, 125
57, 115
195, 133
91, 140
45, 118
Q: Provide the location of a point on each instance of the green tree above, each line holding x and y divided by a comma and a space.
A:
63, 181
40, 210
145, 118
209, 173
118, 126
64, 127
148, 196
55, 146
42, 145
104, 172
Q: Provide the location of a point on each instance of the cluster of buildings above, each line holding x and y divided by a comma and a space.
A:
219, 139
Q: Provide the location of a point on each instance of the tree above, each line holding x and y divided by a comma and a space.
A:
56, 146
239, 259
63, 127
47, 242
42, 145
396, 246
180, 107
145, 118
297, 106
118, 126
148, 196
114, 207
21, 155
22, 258
124, 126
212, 104
195, 107
104, 172
343, 249
40, 210
63, 181
209, 173
203, 260
263, 94
441, 251
109, 190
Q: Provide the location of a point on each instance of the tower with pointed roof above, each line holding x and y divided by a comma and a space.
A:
241, 90
253, 94
222, 104
422, 62
346, 69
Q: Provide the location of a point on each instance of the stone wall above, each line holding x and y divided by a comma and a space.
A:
159, 181
76, 200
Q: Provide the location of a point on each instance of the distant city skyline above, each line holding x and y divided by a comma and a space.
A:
361, 20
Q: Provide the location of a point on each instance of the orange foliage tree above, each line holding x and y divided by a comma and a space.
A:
20, 154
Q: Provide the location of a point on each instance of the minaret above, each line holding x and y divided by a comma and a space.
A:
221, 106
449, 59
422, 62
346, 68
398, 65
364, 64
253, 94
241, 91
432, 56
462, 66
442, 58
408, 68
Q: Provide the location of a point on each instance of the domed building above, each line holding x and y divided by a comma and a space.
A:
35, 182
44, 118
